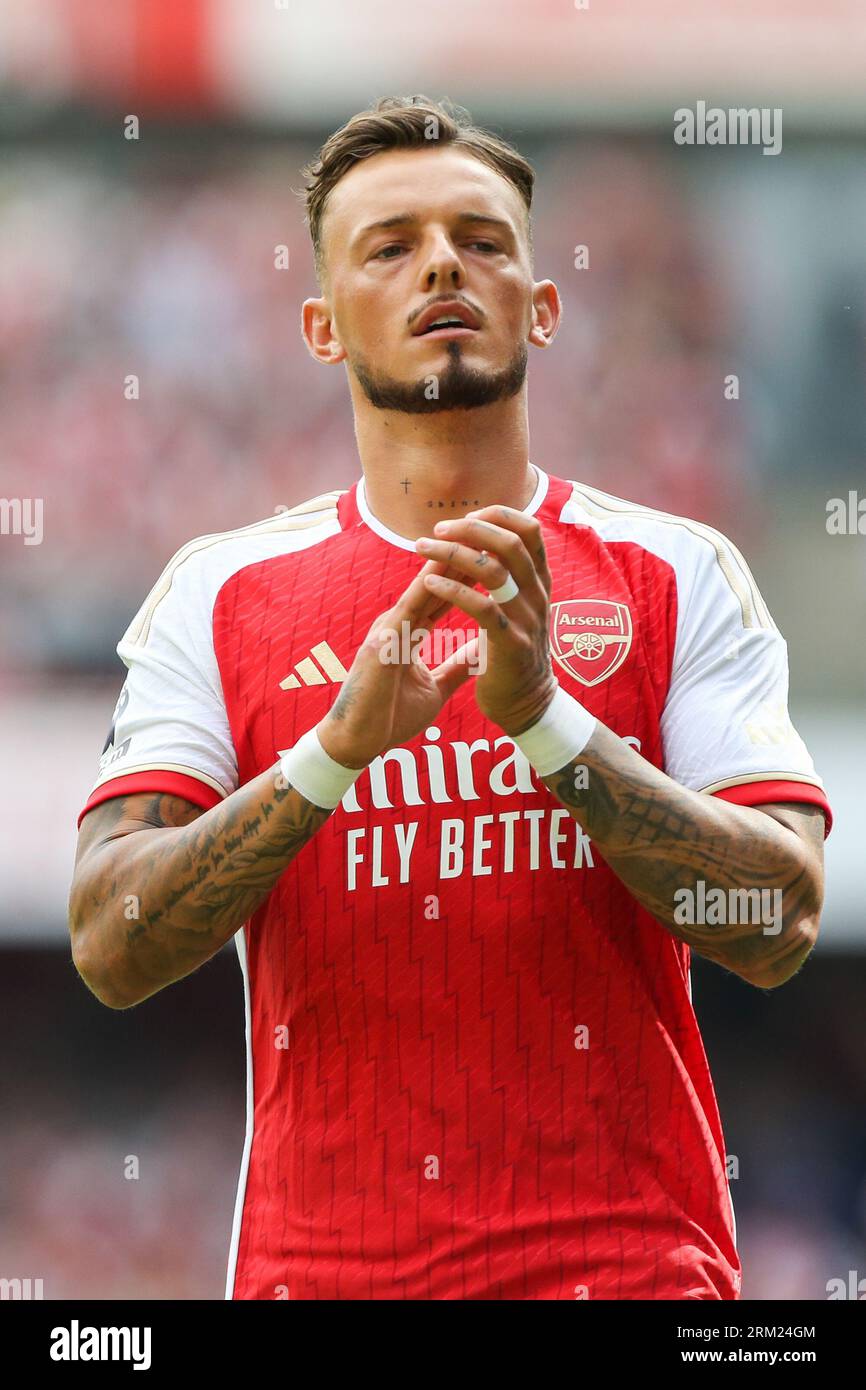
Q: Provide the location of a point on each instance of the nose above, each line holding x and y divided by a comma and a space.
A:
441, 268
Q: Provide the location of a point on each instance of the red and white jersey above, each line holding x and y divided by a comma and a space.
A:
474, 1070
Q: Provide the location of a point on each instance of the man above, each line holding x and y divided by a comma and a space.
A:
464, 894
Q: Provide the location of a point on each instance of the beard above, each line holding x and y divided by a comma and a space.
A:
458, 387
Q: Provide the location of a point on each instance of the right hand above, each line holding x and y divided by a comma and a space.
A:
385, 704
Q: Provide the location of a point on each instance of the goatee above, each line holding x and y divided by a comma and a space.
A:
458, 387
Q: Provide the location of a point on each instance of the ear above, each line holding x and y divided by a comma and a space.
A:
319, 332
546, 313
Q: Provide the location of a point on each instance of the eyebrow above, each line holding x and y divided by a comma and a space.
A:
402, 219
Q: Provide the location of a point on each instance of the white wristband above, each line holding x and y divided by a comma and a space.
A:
562, 732
315, 774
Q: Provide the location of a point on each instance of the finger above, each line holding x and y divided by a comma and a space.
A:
484, 609
505, 544
456, 670
419, 605
530, 531
464, 560
527, 527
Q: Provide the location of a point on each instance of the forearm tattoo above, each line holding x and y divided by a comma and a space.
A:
671, 846
162, 886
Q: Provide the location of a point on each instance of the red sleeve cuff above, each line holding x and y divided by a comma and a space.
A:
762, 793
170, 783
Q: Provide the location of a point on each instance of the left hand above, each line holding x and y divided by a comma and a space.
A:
519, 682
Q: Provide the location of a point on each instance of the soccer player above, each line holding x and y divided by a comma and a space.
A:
463, 893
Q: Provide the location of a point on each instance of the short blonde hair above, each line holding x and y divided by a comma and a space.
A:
399, 123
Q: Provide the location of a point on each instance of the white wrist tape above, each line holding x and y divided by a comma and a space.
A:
562, 732
315, 774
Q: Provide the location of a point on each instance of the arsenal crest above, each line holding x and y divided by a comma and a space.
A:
590, 637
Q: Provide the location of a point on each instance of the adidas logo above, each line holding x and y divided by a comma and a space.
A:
308, 672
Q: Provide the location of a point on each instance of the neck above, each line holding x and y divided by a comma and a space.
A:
420, 469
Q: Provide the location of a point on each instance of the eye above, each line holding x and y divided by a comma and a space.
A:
380, 254
485, 245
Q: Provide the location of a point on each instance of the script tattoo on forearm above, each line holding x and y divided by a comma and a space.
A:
660, 838
194, 879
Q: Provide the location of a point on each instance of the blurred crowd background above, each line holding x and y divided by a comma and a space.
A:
160, 263
155, 257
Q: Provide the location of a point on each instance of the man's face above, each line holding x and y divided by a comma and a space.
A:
420, 233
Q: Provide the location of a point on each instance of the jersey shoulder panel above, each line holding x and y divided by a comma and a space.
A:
698, 553
205, 563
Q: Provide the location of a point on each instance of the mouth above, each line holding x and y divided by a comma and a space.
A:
454, 330
446, 321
